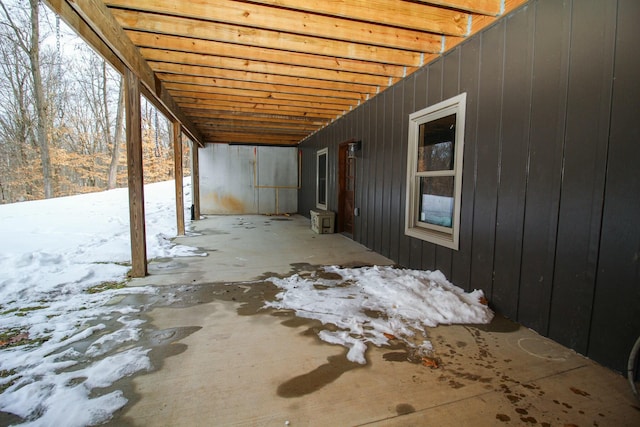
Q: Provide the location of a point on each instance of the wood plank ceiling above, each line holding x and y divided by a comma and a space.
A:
275, 71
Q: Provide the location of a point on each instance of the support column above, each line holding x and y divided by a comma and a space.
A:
135, 176
177, 173
195, 181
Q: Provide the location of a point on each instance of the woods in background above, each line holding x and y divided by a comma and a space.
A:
61, 113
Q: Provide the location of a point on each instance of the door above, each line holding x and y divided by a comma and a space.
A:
346, 189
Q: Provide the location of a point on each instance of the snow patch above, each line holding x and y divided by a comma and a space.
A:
75, 343
371, 304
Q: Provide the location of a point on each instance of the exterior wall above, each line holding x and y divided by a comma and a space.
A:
551, 189
238, 179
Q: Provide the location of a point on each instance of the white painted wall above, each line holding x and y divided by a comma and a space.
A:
239, 179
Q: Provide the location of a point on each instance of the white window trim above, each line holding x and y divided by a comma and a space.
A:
324, 151
443, 236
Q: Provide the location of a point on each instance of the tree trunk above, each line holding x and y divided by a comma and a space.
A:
115, 153
41, 108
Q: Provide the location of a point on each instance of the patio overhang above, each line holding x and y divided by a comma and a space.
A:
271, 71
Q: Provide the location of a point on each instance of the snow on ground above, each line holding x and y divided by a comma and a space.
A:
53, 254
64, 342
375, 304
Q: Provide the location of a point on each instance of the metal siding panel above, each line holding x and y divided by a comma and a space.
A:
338, 130
616, 311
371, 199
287, 200
327, 142
404, 257
469, 83
451, 74
276, 167
379, 176
588, 109
419, 102
357, 220
546, 142
306, 194
513, 162
387, 171
367, 156
396, 225
310, 168
267, 201
226, 176
579, 222
490, 97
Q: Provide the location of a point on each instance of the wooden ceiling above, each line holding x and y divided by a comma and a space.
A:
275, 71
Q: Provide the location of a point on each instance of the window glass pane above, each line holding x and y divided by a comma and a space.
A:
436, 200
436, 144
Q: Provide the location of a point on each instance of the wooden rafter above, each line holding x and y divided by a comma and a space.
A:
275, 71
178, 45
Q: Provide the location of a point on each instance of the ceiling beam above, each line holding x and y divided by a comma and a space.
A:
395, 13
181, 89
251, 138
231, 105
238, 99
256, 123
159, 59
241, 115
482, 7
357, 48
255, 128
296, 22
270, 87
257, 53
199, 115
264, 109
97, 17
185, 71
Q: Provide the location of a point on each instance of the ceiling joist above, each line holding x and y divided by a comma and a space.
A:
272, 71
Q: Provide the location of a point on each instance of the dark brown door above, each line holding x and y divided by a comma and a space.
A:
346, 189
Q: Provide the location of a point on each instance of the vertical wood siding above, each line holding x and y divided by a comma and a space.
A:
550, 208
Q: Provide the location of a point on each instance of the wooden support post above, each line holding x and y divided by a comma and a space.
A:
135, 176
195, 181
177, 172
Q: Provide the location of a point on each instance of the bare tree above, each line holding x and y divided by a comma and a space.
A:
115, 151
61, 132
29, 43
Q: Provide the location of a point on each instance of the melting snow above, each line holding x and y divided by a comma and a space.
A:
367, 303
71, 354
51, 252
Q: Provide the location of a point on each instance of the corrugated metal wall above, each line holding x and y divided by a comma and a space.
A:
551, 185
240, 179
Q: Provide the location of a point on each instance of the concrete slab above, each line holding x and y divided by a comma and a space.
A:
240, 365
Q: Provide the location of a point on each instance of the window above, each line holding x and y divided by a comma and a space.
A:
434, 172
322, 168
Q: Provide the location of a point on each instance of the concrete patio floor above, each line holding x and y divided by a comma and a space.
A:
234, 364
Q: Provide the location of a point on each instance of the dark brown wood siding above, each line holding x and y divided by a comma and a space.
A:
551, 185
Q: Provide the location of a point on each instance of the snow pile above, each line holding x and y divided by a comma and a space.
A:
62, 337
374, 304
70, 242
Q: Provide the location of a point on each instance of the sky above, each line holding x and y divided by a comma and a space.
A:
66, 343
